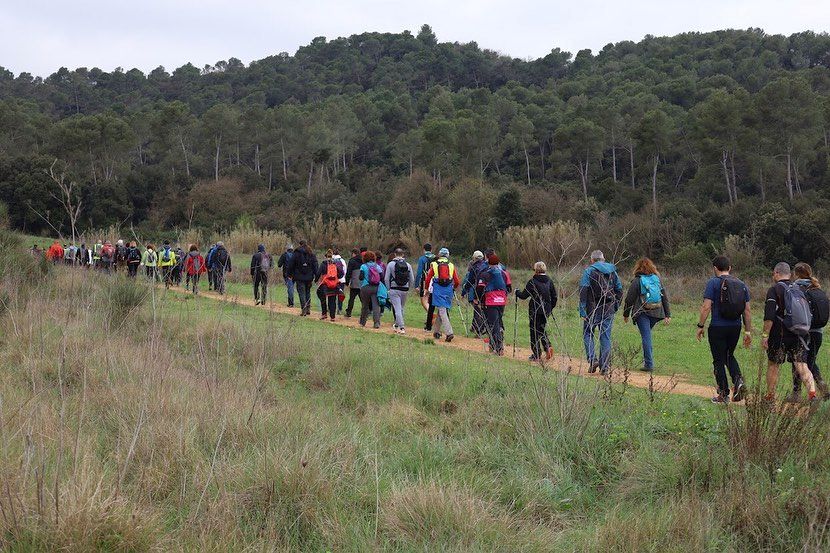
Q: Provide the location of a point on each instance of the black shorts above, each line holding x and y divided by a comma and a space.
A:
782, 348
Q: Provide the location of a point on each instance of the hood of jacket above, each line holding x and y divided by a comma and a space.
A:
194, 253
804, 282
604, 267
544, 279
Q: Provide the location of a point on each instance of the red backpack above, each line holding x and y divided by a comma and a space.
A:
442, 275
331, 280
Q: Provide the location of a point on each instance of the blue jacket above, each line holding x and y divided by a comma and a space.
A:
422, 270
209, 258
364, 274
591, 300
468, 289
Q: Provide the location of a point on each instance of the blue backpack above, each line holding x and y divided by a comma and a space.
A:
798, 318
651, 292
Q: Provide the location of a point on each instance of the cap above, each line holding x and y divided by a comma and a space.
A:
477, 255
444, 252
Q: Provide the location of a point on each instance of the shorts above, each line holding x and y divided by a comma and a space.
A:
782, 348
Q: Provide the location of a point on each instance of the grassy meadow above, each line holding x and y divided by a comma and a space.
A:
135, 419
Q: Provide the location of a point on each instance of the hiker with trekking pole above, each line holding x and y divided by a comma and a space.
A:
600, 295
496, 284
442, 281
543, 298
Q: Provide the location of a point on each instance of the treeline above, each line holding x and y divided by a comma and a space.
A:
681, 140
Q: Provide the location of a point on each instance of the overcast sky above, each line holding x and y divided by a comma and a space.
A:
39, 36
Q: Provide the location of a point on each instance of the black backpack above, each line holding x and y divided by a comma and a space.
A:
221, 257
819, 306
133, 255
732, 299
603, 288
401, 274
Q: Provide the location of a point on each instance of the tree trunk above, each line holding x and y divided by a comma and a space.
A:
256, 160
631, 160
542, 157
527, 163
654, 183
284, 164
583, 175
310, 174
763, 188
734, 178
410, 166
270, 177
789, 175
614, 163
218, 141
186, 159
726, 176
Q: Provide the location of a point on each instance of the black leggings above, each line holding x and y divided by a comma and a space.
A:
353, 293
722, 342
815, 344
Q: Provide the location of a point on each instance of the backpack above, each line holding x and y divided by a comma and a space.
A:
220, 257
819, 306
331, 280
151, 256
442, 273
401, 274
374, 274
133, 255
732, 298
121, 253
197, 264
265, 262
603, 288
165, 255
430, 257
107, 252
651, 292
797, 318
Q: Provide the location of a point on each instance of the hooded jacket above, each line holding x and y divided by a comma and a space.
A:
194, 263
634, 302
542, 294
304, 265
600, 290
389, 278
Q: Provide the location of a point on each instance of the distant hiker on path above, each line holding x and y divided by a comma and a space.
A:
284, 263
600, 295
442, 280
647, 304
260, 265
420, 281
370, 280
328, 276
221, 265
820, 309
474, 293
194, 267
399, 279
542, 294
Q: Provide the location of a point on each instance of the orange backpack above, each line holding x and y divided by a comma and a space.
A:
332, 279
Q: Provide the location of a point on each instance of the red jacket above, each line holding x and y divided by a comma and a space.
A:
55, 252
193, 261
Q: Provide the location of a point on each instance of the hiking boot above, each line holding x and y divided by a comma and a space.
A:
436, 335
376, 326
793, 397
740, 392
549, 353
647, 369
534, 359
721, 398
449, 338
593, 366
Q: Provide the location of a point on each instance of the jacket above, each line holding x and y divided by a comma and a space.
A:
340, 261
594, 298
304, 265
55, 252
442, 295
364, 273
133, 256
497, 284
433, 273
284, 262
470, 287
633, 306
221, 260
353, 272
209, 257
542, 294
256, 263
195, 264
150, 258
171, 257
420, 276
389, 278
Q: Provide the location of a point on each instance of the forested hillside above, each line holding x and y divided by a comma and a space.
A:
689, 139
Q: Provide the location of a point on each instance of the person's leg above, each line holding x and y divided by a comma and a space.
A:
289, 286
353, 293
332, 301
806, 376
396, 297
365, 304
719, 347
491, 320
605, 342
430, 314
264, 284
498, 329
588, 330
256, 288
446, 325
195, 282
375, 307
644, 325
535, 339
323, 302
772, 377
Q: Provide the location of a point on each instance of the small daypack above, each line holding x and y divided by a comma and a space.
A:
442, 273
819, 306
374, 274
133, 255
732, 298
603, 288
165, 256
265, 262
401, 274
651, 292
151, 257
797, 318
197, 264
331, 279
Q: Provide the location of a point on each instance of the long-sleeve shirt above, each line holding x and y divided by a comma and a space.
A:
389, 278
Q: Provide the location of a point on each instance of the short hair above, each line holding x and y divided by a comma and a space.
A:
399, 252
363, 249
427, 247
355, 251
167, 242
540, 267
597, 255
335, 251
493, 260
721, 263
783, 268
194, 247
302, 243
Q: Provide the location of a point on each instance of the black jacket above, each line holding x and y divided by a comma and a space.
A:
304, 265
542, 294
284, 262
222, 259
256, 263
353, 272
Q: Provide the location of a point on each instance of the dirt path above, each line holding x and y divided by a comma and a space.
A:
660, 383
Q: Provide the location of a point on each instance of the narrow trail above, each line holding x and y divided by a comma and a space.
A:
673, 384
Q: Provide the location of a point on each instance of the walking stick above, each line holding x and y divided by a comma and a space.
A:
461, 310
515, 327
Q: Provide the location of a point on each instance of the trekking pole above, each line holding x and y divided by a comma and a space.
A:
515, 327
461, 311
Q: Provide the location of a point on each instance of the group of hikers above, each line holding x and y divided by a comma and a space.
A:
795, 313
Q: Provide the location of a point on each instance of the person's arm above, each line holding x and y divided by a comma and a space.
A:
630, 298
387, 276
254, 264
523, 294
419, 276
770, 313
584, 286
411, 276
705, 311
230, 266
666, 305
362, 275
428, 278
554, 297
456, 281
748, 326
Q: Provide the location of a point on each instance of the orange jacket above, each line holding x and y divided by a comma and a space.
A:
55, 252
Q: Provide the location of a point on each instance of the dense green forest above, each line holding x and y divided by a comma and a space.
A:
689, 139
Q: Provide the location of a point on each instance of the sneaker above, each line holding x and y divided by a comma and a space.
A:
533, 359
331, 318
394, 326
449, 337
323, 317
549, 354
720, 398
739, 393
500, 353
401, 331
603, 372
436, 335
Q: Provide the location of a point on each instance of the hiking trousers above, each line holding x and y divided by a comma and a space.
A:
353, 293
816, 338
722, 342
539, 341
602, 325
260, 281
644, 325
304, 293
132, 270
479, 325
369, 301
194, 280
398, 299
328, 302
494, 316
430, 314
444, 317
167, 275
219, 281
289, 286
150, 272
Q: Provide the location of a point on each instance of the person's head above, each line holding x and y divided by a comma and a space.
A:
194, 248
722, 264
151, 247
399, 253
220, 244
289, 247
477, 256
493, 260
167, 243
302, 244
132, 244
597, 256
645, 266
260, 248
363, 249
427, 247
803, 271
329, 253
355, 252
781, 271
378, 256
335, 251
120, 242
540, 268
443, 252
369, 257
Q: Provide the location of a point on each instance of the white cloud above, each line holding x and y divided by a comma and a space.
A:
40, 36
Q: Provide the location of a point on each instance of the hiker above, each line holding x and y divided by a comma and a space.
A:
646, 303
133, 259
69, 254
221, 266
543, 298
260, 265
820, 309
55, 253
442, 280
96, 254
474, 293
178, 268
787, 322
600, 294
496, 284
167, 260
84, 257
337, 258
399, 278
107, 257
353, 275
328, 277
194, 267
209, 263
370, 280
120, 256
303, 273
284, 262
424, 263
726, 298
150, 261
